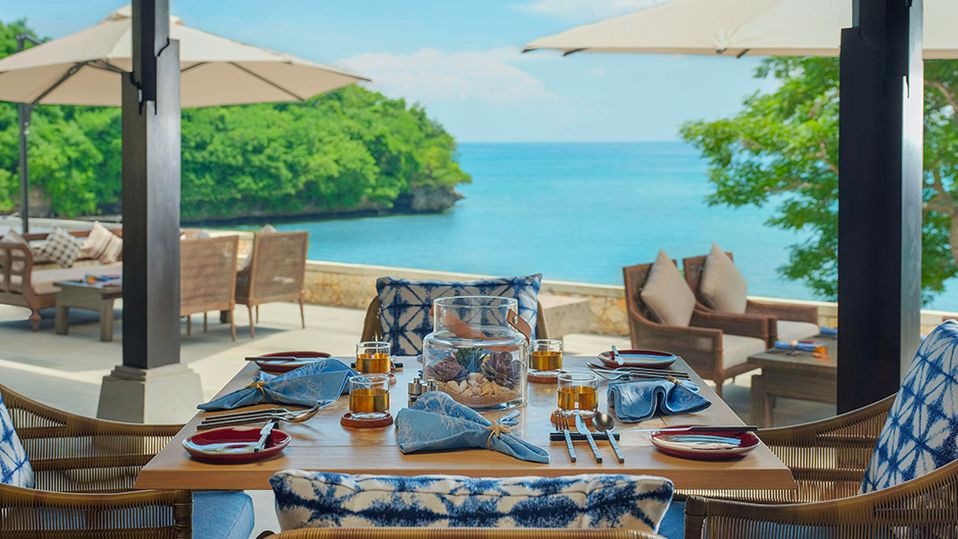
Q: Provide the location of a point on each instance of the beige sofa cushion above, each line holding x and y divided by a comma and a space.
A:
43, 280
102, 245
723, 288
789, 330
666, 293
736, 349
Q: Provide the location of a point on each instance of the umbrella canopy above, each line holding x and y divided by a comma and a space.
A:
84, 69
738, 27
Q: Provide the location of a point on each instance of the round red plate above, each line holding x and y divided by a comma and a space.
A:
194, 445
666, 360
279, 367
693, 445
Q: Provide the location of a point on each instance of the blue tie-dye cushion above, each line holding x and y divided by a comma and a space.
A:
14, 466
332, 500
404, 305
921, 433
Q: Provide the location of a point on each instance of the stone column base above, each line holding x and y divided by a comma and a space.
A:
167, 394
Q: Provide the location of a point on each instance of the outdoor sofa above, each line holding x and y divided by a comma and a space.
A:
26, 283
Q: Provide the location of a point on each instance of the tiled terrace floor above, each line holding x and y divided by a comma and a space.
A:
65, 371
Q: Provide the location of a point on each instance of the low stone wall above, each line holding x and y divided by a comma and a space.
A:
354, 285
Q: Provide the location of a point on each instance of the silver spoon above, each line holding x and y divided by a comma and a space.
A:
604, 422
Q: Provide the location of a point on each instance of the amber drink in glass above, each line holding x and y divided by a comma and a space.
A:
578, 393
546, 357
369, 396
372, 357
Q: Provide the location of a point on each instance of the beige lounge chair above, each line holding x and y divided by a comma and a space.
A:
276, 272
208, 278
716, 345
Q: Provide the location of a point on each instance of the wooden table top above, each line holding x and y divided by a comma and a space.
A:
799, 361
322, 444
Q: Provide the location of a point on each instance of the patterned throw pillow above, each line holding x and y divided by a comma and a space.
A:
404, 305
14, 466
326, 500
102, 244
60, 247
921, 432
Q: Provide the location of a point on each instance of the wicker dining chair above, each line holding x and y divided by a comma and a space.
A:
276, 272
830, 460
84, 470
459, 533
373, 328
701, 343
208, 278
791, 320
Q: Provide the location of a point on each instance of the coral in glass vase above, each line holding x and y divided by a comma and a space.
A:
501, 368
446, 370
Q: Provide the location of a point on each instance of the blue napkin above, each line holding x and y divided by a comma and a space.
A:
318, 383
801, 346
638, 401
828, 332
436, 422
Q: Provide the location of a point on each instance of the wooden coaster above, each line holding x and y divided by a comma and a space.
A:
543, 379
348, 421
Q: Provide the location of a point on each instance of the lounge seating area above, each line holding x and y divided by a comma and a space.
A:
273, 271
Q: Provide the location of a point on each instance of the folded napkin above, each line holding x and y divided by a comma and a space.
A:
828, 332
801, 346
436, 422
638, 401
318, 383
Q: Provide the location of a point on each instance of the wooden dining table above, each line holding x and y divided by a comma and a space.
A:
322, 444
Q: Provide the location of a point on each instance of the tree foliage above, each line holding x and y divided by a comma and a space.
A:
781, 149
348, 149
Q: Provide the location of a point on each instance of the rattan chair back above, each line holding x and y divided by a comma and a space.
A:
277, 269
208, 274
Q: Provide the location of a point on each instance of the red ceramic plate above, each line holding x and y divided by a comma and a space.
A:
705, 445
214, 445
281, 365
639, 358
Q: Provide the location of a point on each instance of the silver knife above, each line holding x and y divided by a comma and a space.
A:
263, 435
580, 426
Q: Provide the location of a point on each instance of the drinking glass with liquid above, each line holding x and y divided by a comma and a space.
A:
369, 396
578, 393
546, 357
372, 357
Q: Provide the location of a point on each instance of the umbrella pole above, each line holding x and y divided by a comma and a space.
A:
23, 119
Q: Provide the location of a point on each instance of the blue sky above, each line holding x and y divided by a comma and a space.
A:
461, 60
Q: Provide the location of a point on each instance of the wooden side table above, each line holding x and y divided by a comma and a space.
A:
79, 295
793, 375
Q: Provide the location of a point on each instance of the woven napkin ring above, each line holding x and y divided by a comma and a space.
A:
495, 430
258, 385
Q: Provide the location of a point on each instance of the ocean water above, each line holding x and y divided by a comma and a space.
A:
572, 211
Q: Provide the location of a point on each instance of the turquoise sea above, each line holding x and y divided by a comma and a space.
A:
572, 211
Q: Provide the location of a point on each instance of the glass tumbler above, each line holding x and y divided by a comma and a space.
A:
578, 393
546, 357
372, 357
369, 396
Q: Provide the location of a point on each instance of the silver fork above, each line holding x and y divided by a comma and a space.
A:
286, 417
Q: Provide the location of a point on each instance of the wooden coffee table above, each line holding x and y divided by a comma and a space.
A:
79, 295
793, 375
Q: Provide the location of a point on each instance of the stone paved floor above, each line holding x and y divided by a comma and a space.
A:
65, 371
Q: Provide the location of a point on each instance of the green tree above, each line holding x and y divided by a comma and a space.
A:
781, 149
345, 150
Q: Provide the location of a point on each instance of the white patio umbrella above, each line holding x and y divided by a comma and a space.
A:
85, 68
739, 27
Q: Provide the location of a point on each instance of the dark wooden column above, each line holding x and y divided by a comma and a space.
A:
880, 182
151, 192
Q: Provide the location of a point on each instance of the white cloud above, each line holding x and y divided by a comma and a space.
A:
585, 10
429, 74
